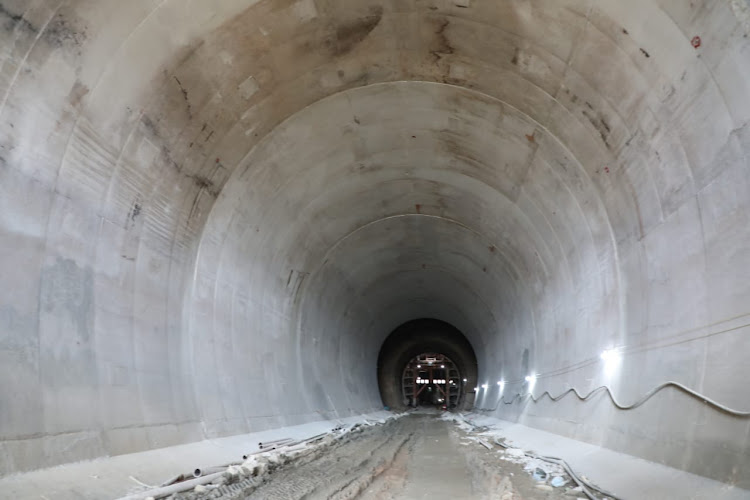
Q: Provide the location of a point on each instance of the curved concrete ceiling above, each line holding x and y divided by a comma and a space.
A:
215, 212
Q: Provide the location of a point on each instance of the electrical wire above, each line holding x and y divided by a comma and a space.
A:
710, 402
570, 472
586, 486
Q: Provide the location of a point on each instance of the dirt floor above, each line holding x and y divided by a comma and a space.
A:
417, 456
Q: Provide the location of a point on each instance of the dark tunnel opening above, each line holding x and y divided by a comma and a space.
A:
411, 341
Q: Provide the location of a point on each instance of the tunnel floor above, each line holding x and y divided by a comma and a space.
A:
379, 455
419, 456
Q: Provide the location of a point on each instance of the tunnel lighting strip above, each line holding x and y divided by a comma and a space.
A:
714, 404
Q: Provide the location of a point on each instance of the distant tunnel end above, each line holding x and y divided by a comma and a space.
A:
416, 337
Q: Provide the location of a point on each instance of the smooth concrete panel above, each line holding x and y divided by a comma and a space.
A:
212, 215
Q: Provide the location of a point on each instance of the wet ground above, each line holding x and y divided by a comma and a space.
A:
419, 456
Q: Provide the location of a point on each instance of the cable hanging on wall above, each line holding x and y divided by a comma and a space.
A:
710, 402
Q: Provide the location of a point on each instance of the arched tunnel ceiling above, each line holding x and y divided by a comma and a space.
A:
213, 206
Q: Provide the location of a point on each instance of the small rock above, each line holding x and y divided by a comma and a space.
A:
573, 492
200, 489
545, 487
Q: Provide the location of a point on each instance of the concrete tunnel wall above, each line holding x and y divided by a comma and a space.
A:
213, 214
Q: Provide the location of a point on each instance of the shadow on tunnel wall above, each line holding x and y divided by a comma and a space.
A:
416, 337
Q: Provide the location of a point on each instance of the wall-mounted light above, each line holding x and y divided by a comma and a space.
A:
476, 389
442, 366
611, 359
419, 366
501, 384
485, 386
465, 380
531, 379
608, 355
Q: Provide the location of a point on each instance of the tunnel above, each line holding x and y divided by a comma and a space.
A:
415, 354
227, 217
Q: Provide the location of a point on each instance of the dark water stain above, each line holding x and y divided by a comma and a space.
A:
204, 183
67, 294
12, 20
600, 124
349, 35
645, 53
442, 45
150, 126
135, 211
165, 152
185, 97
64, 32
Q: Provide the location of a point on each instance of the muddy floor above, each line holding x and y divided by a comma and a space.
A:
418, 456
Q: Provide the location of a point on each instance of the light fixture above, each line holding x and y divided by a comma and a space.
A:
419, 366
531, 380
476, 389
609, 355
484, 386
465, 380
611, 358
442, 366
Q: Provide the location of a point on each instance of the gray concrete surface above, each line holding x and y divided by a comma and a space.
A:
213, 213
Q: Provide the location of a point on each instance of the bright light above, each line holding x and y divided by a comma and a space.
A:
611, 358
610, 355
442, 366
419, 366
501, 383
531, 379
484, 386
465, 380
476, 389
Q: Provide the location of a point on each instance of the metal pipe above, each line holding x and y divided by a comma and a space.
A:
208, 470
266, 444
248, 455
174, 488
173, 480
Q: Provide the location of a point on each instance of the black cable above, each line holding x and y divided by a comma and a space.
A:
714, 404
